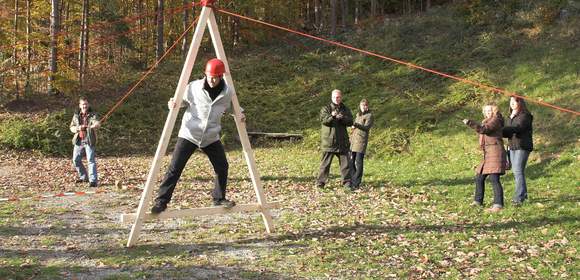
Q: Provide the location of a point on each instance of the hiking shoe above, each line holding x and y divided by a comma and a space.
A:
79, 181
224, 202
93, 184
320, 185
476, 204
516, 203
493, 209
158, 207
349, 187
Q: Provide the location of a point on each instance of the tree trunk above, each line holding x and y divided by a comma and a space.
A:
83, 43
333, 17
14, 50
54, 29
374, 8
159, 49
356, 11
318, 14
235, 32
344, 6
141, 35
184, 43
86, 45
428, 5
27, 87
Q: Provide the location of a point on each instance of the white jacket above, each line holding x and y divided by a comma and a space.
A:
201, 123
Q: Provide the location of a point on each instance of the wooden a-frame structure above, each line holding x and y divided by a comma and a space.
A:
206, 18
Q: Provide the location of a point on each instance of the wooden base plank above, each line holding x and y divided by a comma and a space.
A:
196, 212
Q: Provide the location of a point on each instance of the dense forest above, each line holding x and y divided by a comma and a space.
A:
51, 52
56, 46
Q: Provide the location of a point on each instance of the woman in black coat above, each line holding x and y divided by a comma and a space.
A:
518, 130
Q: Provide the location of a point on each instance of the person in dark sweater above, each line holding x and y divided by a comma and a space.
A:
518, 131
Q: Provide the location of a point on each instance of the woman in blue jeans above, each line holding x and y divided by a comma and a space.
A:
518, 130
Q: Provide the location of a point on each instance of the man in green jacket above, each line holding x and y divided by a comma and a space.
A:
335, 118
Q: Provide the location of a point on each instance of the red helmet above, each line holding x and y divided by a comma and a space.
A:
215, 67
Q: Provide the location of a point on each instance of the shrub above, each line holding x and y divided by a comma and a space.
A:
49, 135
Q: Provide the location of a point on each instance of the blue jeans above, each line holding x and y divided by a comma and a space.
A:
519, 159
79, 151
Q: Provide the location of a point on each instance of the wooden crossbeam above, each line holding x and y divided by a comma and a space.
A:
196, 212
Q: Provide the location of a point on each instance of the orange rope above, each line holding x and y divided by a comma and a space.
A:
132, 90
408, 64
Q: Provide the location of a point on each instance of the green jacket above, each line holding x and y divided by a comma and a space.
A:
333, 135
75, 127
359, 137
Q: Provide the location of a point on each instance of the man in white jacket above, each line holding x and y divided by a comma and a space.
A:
206, 100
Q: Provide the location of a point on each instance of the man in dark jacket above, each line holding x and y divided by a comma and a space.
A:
84, 124
335, 118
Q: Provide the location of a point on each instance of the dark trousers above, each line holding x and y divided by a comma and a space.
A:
497, 188
181, 154
344, 162
356, 164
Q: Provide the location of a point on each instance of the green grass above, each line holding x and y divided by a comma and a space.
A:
412, 218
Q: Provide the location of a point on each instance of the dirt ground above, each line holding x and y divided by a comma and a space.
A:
82, 236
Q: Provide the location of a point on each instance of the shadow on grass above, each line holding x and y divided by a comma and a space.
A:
123, 272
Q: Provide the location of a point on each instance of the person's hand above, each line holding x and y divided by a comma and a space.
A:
171, 103
334, 113
339, 116
465, 121
242, 117
96, 124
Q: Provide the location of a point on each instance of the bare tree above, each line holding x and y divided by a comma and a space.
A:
83, 44
184, 43
333, 17
356, 12
318, 14
374, 6
27, 86
15, 49
54, 28
344, 6
159, 49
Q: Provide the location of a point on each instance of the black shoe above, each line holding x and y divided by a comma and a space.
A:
320, 185
158, 207
349, 187
224, 202
79, 181
93, 184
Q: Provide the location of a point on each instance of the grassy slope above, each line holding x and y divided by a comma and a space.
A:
412, 218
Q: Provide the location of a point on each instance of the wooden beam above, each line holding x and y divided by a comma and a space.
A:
276, 134
168, 128
240, 125
196, 212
